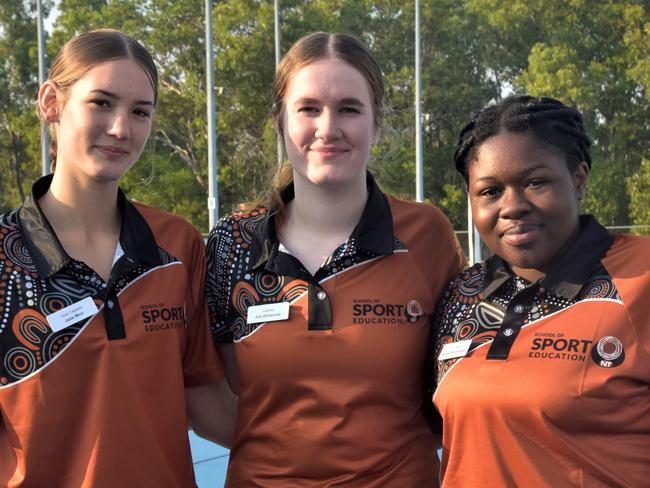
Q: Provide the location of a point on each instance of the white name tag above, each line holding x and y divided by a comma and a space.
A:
72, 314
454, 350
268, 313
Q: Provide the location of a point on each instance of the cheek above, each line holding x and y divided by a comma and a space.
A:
482, 214
145, 131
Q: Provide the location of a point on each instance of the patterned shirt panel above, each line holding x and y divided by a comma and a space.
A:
464, 313
27, 342
234, 283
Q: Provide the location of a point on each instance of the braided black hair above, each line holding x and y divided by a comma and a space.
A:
549, 120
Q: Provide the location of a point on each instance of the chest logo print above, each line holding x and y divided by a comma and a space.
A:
160, 317
608, 352
373, 311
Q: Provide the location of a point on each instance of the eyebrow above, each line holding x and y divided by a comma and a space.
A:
525, 173
344, 101
113, 95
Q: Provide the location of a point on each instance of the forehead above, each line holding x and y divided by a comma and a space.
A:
122, 77
328, 79
514, 152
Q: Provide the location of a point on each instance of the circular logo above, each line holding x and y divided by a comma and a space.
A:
414, 310
608, 352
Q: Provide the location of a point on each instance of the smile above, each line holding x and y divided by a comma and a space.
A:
326, 151
521, 235
111, 151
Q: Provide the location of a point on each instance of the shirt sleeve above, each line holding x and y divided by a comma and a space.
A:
217, 286
201, 362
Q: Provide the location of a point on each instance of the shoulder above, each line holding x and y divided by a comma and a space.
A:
415, 212
234, 231
173, 233
418, 220
469, 282
428, 233
9, 220
238, 225
628, 255
159, 220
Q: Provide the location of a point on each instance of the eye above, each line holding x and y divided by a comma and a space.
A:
142, 113
489, 192
308, 109
101, 102
535, 182
350, 110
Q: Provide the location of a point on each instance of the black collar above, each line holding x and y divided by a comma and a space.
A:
374, 232
48, 254
567, 278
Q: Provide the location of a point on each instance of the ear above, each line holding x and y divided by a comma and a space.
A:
580, 179
50, 101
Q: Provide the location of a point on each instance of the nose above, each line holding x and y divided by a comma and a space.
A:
119, 126
514, 203
327, 127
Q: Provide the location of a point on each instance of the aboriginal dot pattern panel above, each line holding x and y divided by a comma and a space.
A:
232, 286
27, 343
463, 314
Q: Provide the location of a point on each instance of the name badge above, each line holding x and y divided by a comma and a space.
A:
72, 314
268, 312
453, 350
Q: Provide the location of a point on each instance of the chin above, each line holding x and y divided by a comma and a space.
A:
331, 177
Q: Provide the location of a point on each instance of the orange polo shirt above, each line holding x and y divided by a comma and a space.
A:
555, 389
332, 395
100, 402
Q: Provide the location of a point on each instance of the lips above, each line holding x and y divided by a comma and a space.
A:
111, 151
521, 234
327, 151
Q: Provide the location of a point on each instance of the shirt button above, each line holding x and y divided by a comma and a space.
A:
110, 304
508, 332
519, 308
321, 295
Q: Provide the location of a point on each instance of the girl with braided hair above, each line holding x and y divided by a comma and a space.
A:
542, 351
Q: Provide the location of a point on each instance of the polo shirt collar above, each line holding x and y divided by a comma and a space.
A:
46, 250
374, 232
571, 272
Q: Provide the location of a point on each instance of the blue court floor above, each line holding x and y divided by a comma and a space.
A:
210, 462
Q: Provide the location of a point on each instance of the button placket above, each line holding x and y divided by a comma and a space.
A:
320, 308
512, 323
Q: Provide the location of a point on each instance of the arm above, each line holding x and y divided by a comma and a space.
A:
227, 353
212, 412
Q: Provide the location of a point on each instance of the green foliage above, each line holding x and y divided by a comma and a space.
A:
639, 189
590, 53
19, 126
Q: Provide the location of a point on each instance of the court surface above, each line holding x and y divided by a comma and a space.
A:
210, 462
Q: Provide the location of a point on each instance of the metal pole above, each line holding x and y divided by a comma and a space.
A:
419, 175
470, 234
276, 18
473, 238
213, 196
45, 135
478, 257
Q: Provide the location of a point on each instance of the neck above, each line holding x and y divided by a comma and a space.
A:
324, 209
82, 205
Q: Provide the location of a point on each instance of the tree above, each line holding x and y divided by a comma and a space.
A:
591, 54
19, 125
